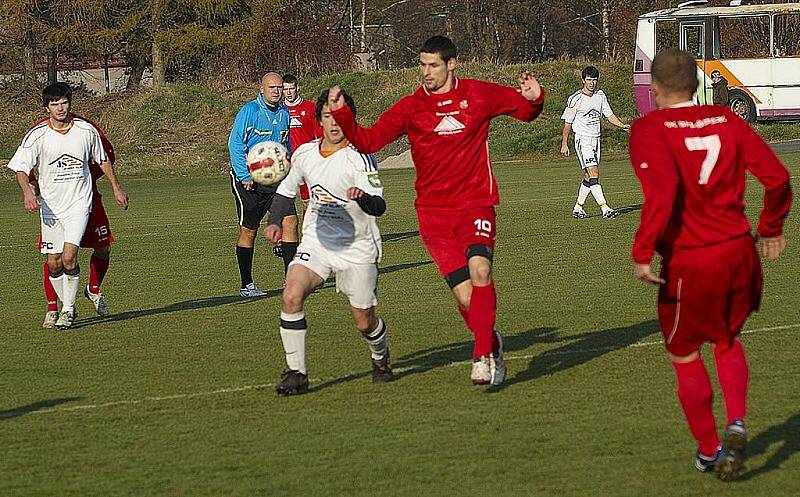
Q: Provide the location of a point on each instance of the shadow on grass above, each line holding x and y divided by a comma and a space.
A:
396, 237
622, 210
36, 406
580, 350
207, 302
787, 434
425, 360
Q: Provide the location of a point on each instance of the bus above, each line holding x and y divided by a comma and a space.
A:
755, 47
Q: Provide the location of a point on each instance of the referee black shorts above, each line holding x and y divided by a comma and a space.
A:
251, 205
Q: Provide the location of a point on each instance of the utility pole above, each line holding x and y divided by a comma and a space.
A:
363, 26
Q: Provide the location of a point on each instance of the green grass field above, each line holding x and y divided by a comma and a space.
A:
173, 393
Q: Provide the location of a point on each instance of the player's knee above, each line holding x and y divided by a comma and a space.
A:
69, 260
246, 237
54, 265
480, 263
292, 299
365, 322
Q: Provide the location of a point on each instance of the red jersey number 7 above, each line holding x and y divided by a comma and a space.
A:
711, 145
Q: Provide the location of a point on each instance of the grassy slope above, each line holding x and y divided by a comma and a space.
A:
182, 129
172, 395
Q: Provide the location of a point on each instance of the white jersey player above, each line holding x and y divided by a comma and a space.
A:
340, 235
583, 114
62, 148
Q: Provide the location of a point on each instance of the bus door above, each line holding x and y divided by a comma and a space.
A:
693, 39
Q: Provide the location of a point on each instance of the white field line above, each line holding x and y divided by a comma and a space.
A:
246, 388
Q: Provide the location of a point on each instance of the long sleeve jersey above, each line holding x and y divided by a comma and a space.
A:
449, 136
691, 162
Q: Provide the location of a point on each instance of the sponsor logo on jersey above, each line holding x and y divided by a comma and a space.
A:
323, 196
67, 162
295, 122
449, 125
463, 104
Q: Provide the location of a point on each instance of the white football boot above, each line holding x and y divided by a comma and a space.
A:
99, 302
50, 319
497, 363
251, 290
481, 371
66, 319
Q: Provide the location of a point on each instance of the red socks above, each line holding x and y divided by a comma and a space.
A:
481, 318
695, 394
49, 291
733, 375
97, 271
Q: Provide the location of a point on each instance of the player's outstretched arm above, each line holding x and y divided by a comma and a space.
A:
119, 194
389, 126
29, 200
613, 119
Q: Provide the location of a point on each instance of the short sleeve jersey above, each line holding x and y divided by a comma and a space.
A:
334, 221
585, 112
63, 162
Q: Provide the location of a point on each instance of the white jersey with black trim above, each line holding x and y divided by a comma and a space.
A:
585, 112
336, 222
63, 161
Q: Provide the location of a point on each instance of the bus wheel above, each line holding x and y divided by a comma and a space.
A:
741, 103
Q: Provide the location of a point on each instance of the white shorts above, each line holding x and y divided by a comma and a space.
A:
587, 149
358, 281
69, 228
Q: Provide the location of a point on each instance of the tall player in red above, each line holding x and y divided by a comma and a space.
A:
447, 122
97, 236
303, 125
691, 162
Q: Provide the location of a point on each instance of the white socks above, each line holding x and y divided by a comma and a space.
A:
293, 336
377, 340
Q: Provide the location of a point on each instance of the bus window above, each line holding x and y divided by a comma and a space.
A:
787, 35
666, 35
744, 37
693, 40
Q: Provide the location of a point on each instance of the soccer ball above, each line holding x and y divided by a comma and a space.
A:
268, 163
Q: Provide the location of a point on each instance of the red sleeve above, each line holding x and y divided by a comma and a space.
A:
762, 163
32, 176
389, 127
656, 170
510, 102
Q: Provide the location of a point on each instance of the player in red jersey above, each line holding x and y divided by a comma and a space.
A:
98, 236
447, 122
303, 125
691, 162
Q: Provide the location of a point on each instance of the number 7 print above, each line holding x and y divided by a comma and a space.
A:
711, 144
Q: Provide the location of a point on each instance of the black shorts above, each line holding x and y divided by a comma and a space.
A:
251, 205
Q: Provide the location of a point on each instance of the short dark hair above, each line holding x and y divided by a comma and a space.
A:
441, 45
675, 71
323, 99
290, 78
55, 92
590, 72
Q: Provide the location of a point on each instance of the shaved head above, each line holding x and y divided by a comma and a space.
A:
272, 88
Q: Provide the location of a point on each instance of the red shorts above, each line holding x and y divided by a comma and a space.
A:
448, 233
98, 232
708, 295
